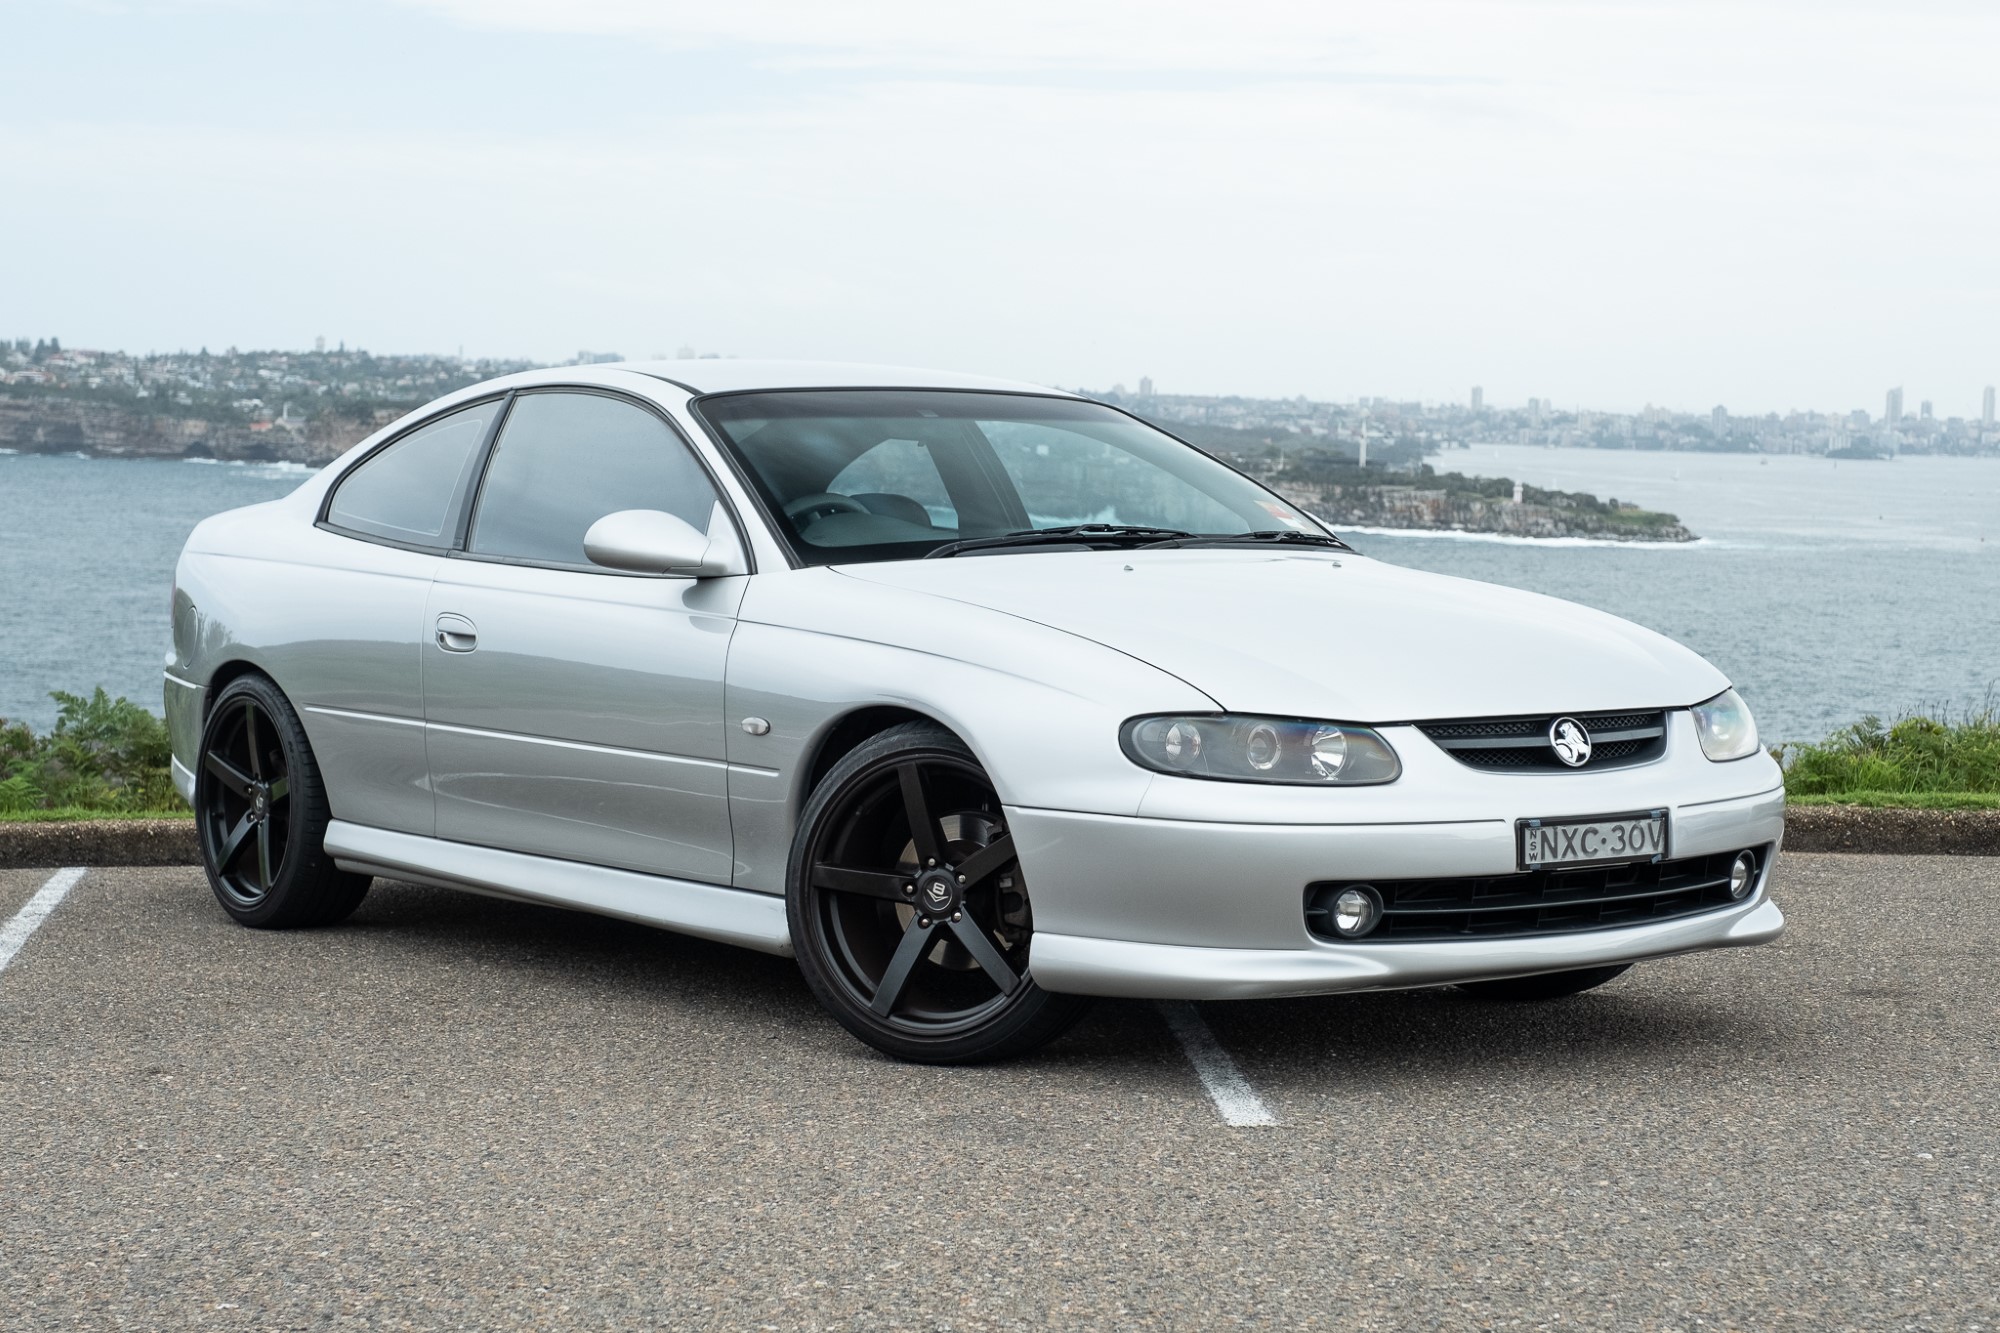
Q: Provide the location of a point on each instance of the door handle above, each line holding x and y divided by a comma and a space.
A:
456, 634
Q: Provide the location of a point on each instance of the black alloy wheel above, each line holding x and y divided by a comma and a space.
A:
262, 814
909, 912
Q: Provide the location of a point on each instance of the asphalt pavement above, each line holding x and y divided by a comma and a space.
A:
454, 1112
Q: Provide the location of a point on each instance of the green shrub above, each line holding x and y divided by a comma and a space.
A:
1913, 755
106, 755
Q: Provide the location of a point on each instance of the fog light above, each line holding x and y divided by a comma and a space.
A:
1356, 910
1742, 874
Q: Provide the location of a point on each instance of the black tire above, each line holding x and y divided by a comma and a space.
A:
1547, 986
950, 939
261, 811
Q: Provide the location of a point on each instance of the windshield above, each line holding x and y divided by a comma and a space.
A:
882, 474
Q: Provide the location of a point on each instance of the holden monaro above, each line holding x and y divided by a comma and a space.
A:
977, 698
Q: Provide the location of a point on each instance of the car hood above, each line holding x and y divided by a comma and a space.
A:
1313, 634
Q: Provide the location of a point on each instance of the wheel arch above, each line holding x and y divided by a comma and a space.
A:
190, 701
849, 731
230, 671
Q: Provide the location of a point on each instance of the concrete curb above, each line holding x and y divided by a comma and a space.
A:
1860, 828
99, 842
1808, 828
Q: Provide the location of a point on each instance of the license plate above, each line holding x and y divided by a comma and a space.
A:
1598, 839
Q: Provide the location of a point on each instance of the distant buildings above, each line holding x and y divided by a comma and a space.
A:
1405, 430
240, 387
281, 391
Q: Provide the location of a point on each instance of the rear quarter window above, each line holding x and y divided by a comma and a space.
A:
405, 492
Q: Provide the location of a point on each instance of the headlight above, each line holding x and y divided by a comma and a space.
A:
1260, 749
1725, 726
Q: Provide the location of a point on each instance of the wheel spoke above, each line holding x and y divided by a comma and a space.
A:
869, 883
994, 856
916, 941
923, 830
981, 948
229, 773
250, 740
232, 843
264, 853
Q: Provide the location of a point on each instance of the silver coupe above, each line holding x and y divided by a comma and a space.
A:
977, 698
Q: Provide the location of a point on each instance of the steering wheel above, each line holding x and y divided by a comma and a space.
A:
812, 508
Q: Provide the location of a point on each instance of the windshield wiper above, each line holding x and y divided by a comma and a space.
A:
1106, 536
1266, 537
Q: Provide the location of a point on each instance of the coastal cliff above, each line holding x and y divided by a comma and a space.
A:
1439, 505
45, 424
1396, 489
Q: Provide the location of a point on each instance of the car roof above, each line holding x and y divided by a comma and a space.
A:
719, 375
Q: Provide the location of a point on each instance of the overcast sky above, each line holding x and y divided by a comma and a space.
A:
1763, 205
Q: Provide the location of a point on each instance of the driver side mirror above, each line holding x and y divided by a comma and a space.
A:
651, 541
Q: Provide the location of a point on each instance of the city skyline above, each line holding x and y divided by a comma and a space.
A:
308, 404
18, 354
1982, 399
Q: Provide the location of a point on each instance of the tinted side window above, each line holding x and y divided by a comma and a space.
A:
405, 491
565, 460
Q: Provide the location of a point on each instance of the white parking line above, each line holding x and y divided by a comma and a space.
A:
15, 933
1227, 1088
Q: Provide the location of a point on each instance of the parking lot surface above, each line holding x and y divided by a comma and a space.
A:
458, 1112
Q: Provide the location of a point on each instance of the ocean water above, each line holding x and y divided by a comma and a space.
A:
87, 550
1825, 590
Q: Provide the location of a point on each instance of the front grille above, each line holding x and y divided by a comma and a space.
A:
1521, 744
1539, 902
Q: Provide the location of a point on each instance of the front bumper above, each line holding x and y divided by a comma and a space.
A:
1085, 966
1161, 908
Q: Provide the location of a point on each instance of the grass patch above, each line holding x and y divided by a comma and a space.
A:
72, 813
1918, 761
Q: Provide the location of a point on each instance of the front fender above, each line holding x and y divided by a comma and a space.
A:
1039, 707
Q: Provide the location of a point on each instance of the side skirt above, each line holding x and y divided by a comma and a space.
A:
733, 916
